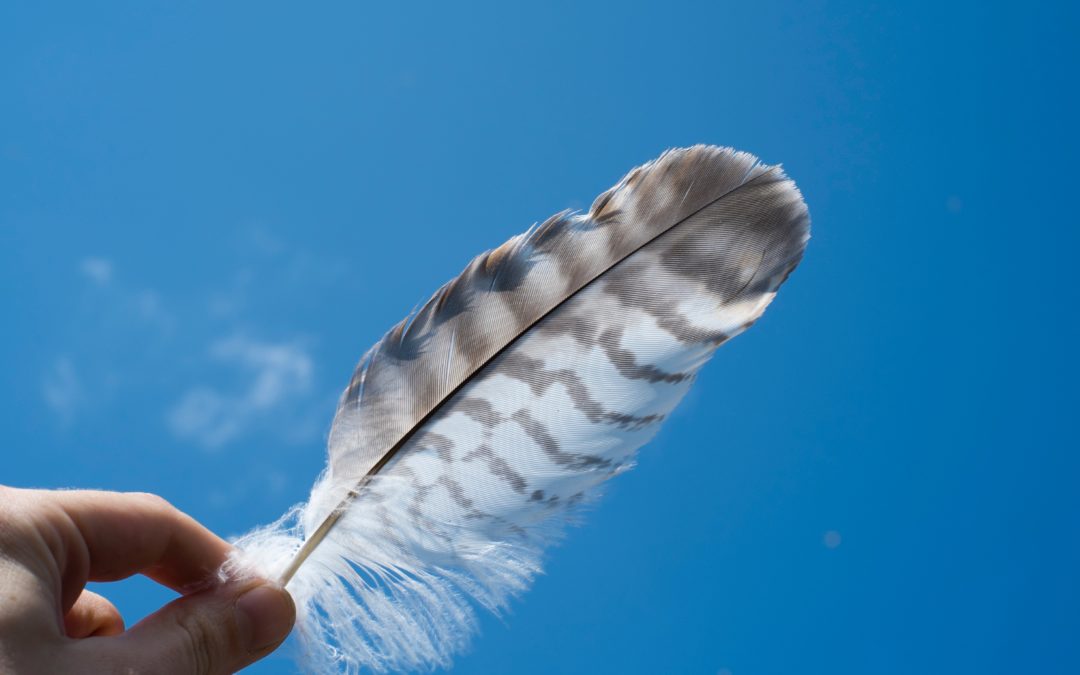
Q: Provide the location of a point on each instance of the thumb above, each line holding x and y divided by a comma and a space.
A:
209, 633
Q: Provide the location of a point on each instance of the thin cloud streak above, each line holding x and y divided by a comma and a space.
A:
275, 377
62, 389
97, 270
198, 352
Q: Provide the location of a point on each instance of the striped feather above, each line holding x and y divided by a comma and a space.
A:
468, 435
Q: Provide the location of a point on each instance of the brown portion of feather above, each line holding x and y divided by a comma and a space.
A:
503, 292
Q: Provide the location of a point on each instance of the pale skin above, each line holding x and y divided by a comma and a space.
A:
53, 542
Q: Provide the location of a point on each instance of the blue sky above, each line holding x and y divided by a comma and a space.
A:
208, 211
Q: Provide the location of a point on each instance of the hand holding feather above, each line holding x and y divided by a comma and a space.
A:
470, 433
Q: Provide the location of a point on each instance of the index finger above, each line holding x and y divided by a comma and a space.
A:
110, 536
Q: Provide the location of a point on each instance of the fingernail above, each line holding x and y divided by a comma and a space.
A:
265, 615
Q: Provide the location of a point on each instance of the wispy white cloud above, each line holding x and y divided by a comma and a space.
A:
62, 389
148, 306
131, 346
116, 327
124, 304
269, 270
97, 270
275, 377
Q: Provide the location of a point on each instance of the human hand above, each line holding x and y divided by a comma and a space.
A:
52, 543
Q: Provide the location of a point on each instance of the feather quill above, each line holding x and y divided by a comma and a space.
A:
470, 434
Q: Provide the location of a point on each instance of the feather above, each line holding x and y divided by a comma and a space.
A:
470, 435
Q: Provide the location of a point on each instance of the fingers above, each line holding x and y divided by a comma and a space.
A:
92, 616
127, 533
110, 536
208, 633
60, 540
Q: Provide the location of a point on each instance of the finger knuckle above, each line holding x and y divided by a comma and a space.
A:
200, 643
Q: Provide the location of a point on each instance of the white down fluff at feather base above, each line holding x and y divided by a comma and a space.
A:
471, 434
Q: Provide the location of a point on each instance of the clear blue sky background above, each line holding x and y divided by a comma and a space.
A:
208, 211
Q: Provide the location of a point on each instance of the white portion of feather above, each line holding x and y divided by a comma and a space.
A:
462, 512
